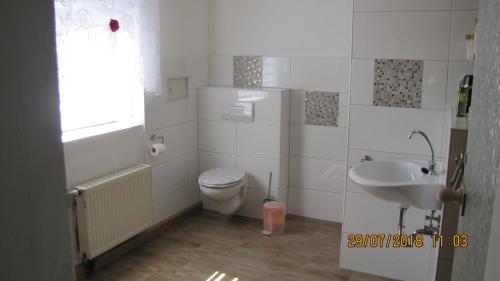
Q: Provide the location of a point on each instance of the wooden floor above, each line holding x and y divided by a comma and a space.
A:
208, 245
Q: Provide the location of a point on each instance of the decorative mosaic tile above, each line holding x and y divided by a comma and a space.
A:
247, 72
398, 83
322, 108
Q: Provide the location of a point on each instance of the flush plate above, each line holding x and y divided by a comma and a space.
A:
240, 111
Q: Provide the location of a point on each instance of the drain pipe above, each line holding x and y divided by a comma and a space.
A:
401, 223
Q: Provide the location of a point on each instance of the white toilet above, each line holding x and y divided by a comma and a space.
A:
226, 188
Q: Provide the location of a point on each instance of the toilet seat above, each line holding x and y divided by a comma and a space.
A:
220, 178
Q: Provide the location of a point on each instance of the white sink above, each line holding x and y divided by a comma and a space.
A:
400, 182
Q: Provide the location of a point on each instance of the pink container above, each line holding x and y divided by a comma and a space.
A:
274, 218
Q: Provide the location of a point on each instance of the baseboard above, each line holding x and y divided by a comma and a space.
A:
137, 240
312, 219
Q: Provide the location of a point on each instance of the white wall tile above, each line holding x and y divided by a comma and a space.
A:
258, 170
276, 72
211, 160
386, 129
320, 74
175, 202
448, 115
434, 84
192, 167
315, 204
192, 107
365, 213
217, 136
252, 207
343, 114
192, 136
320, 174
175, 144
94, 157
172, 67
259, 140
169, 176
318, 141
284, 140
282, 27
298, 107
401, 5
195, 67
159, 113
465, 4
198, 70
283, 181
457, 70
363, 73
213, 102
193, 193
462, 24
184, 27
402, 35
285, 106
221, 70
267, 105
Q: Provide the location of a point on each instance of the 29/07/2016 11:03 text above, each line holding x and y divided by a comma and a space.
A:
405, 241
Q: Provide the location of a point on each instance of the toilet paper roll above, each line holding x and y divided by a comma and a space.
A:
156, 149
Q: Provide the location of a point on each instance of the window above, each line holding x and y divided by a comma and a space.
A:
101, 81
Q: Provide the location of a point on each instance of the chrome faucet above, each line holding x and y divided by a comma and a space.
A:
432, 163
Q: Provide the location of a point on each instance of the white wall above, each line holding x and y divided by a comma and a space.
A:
184, 53
97, 156
432, 31
281, 27
35, 230
306, 45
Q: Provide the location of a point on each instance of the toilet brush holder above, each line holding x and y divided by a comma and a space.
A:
273, 214
274, 218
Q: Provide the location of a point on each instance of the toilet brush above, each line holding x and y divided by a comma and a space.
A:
269, 197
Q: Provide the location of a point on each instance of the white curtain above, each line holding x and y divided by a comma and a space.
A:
149, 26
104, 74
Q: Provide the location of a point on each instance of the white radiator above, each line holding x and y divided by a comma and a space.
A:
112, 209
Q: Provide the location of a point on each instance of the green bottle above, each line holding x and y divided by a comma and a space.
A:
464, 96
462, 102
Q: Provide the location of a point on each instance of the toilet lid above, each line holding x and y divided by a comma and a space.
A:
221, 177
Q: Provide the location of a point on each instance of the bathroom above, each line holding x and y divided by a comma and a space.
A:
216, 106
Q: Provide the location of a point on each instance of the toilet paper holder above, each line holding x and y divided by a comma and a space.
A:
157, 139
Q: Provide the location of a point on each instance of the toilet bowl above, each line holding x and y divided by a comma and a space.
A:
225, 188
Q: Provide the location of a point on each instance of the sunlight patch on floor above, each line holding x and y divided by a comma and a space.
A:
219, 277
